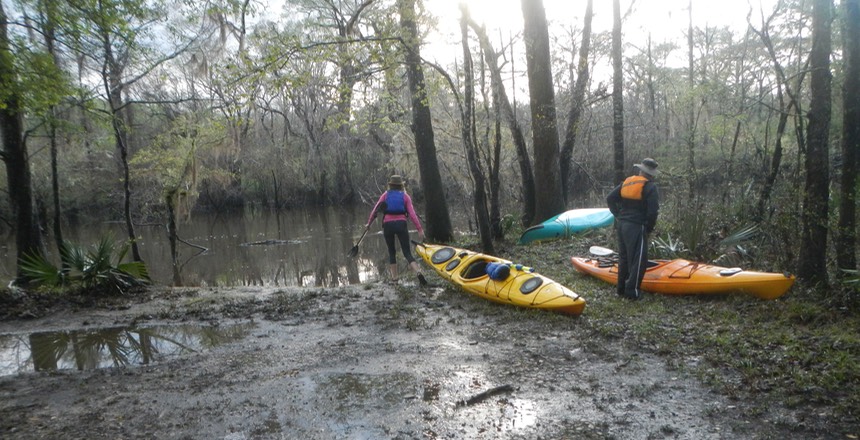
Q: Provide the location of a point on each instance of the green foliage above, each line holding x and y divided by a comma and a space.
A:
692, 229
43, 83
799, 349
668, 248
175, 161
42, 271
743, 234
99, 268
507, 222
713, 232
733, 253
851, 279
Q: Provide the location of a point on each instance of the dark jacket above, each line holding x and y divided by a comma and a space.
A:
643, 212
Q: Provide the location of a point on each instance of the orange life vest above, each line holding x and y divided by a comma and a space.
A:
632, 187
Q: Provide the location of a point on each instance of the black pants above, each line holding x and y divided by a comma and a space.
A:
390, 230
632, 258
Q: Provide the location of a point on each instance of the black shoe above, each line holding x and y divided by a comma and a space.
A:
421, 279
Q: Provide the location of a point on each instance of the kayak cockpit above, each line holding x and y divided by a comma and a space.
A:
475, 270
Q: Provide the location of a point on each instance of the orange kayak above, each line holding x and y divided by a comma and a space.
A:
520, 286
683, 277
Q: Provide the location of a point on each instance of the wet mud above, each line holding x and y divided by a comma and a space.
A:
366, 362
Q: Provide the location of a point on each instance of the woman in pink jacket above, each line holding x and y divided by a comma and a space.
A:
396, 206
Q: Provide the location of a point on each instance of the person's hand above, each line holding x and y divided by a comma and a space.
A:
421, 237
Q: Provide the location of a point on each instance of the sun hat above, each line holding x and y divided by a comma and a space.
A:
396, 180
648, 166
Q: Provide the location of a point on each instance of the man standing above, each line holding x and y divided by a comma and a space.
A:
635, 205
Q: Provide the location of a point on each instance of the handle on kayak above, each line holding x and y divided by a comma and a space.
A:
417, 243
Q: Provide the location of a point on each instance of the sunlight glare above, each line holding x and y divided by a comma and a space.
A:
664, 19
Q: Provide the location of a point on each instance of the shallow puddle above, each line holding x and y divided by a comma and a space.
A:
109, 347
498, 406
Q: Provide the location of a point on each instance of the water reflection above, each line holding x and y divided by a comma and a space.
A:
505, 412
291, 248
302, 247
109, 347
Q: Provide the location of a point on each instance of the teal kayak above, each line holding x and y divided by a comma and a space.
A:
567, 224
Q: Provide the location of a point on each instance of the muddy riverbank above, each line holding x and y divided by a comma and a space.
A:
369, 362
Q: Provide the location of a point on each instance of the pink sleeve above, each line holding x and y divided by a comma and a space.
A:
375, 207
411, 211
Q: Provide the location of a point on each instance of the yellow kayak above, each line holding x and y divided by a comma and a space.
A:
516, 284
683, 277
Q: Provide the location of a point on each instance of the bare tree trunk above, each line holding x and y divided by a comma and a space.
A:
776, 159
785, 110
172, 235
691, 129
55, 182
348, 79
114, 91
740, 80
438, 226
493, 151
846, 257
731, 162
468, 125
812, 265
617, 96
343, 180
576, 103
652, 95
495, 175
507, 110
548, 200
28, 239
112, 70
53, 114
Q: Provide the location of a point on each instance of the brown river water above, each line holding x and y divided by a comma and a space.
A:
306, 247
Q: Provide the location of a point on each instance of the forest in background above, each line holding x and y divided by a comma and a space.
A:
150, 110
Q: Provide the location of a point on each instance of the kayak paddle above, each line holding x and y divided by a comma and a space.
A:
354, 251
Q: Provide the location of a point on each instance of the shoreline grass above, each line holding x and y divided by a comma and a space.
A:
799, 351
